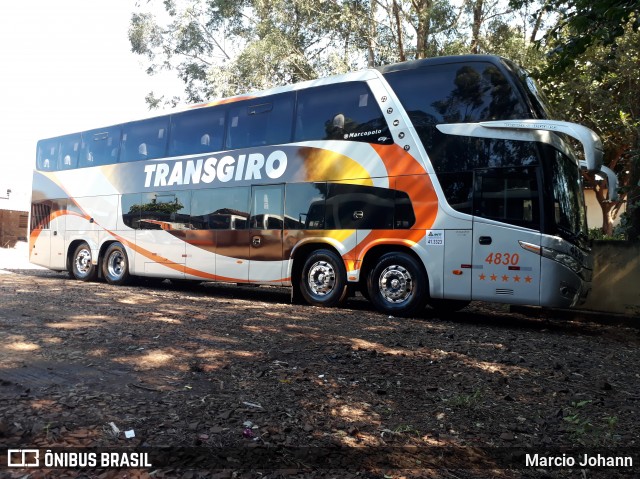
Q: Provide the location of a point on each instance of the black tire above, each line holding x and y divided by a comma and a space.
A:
115, 265
398, 285
323, 281
448, 306
82, 267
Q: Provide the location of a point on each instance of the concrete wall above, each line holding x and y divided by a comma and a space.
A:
616, 280
14, 225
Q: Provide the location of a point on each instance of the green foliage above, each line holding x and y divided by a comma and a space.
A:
589, 431
159, 207
224, 47
601, 91
599, 235
466, 401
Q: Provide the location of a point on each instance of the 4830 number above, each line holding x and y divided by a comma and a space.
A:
507, 259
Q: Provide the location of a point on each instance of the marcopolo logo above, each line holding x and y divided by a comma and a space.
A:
348, 136
228, 168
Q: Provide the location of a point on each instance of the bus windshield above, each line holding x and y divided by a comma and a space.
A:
569, 212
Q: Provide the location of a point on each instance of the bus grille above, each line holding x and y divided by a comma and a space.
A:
504, 291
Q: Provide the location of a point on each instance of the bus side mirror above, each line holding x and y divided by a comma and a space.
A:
593, 151
612, 180
532, 130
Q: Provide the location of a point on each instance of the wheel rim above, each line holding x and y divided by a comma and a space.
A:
321, 278
83, 262
116, 264
396, 284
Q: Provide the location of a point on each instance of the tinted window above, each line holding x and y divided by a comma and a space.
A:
47, 158
130, 204
100, 147
347, 111
197, 131
404, 217
509, 195
69, 151
167, 211
564, 179
144, 140
264, 121
305, 205
267, 208
455, 93
359, 207
58, 153
220, 209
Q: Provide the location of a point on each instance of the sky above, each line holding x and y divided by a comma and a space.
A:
65, 66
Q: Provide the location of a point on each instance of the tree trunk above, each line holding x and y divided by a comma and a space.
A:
538, 22
371, 40
423, 12
396, 14
475, 28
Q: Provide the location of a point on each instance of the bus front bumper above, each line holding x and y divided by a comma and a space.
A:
560, 287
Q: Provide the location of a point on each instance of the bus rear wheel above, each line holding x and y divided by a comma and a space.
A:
115, 266
324, 279
82, 266
397, 285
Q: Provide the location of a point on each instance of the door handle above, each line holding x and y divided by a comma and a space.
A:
485, 240
256, 241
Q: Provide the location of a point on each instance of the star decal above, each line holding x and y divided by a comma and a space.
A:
482, 277
528, 279
505, 278
516, 279
494, 277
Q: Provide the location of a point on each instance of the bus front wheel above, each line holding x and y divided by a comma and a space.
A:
82, 266
397, 285
115, 266
324, 279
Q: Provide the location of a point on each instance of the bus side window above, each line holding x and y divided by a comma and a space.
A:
304, 206
100, 147
47, 158
359, 207
220, 208
131, 208
197, 131
346, 111
508, 194
260, 122
144, 140
69, 150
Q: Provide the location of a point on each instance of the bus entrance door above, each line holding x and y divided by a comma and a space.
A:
503, 269
266, 225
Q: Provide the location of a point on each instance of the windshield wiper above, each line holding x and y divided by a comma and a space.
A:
567, 232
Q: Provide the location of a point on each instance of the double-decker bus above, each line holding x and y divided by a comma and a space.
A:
436, 181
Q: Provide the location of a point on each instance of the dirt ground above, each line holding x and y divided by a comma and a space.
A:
239, 372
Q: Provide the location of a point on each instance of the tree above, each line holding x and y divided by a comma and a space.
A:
601, 91
222, 47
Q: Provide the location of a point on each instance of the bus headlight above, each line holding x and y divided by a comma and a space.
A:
562, 258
